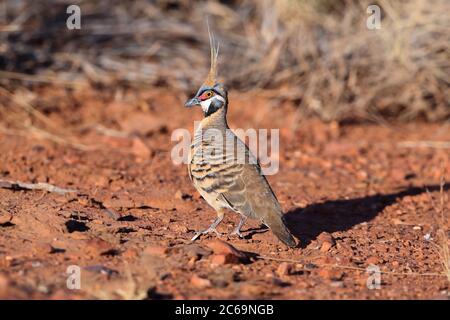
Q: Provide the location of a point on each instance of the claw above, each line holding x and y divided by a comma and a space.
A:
237, 232
196, 235
209, 230
212, 228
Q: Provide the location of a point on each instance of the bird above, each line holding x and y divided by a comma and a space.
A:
223, 169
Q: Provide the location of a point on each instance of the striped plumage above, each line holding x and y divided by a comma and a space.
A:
224, 170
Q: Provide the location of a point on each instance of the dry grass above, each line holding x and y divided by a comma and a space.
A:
442, 245
318, 55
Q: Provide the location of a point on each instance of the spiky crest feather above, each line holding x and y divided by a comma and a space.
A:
211, 78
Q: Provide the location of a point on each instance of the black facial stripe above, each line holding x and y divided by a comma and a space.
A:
208, 89
212, 108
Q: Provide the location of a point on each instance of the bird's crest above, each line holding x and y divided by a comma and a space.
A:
211, 78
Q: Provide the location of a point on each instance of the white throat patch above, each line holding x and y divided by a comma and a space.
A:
206, 103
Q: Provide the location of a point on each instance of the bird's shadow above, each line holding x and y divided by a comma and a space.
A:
340, 215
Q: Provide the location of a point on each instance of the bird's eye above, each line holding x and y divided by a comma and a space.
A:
206, 95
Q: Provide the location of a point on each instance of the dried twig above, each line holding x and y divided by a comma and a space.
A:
442, 248
431, 274
16, 185
425, 144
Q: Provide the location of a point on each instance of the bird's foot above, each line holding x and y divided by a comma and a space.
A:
209, 230
237, 232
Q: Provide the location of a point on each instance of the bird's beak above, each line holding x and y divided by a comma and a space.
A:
192, 102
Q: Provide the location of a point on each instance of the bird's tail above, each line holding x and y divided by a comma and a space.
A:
277, 224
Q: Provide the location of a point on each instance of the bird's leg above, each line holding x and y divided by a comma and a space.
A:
212, 227
237, 231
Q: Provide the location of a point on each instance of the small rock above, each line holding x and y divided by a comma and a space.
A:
130, 253
140, 149
326, 241
155, 250
417, 228
166, 220
372, 260
280, 283
397, 174
178, 228
5, 285
97, 246
191, 262
178, 195
222, 278
338, 148
325, 246
42, 288
337, 284
4, 281
199, 282
119, 203
310, 266
251, 290
222, 259
196, 251
284, 269
221, 247
5, 217
102, 270
331, 274
182, 196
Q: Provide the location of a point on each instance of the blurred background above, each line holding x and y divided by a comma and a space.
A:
363, 117
318, 55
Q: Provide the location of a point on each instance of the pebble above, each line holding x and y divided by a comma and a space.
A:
5, 218
97, 246
199, 282
155, 250
178, 228
130, 253
331, 274
325, 241
337, 284
372, 260
182, 196
191, 262
284, 269
140, 149
222, 248
166, 220
196, 251
222, 259
4, 283
325, 246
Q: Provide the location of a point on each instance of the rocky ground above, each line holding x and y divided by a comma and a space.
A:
354, 195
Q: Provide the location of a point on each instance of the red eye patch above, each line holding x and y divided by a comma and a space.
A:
206, 95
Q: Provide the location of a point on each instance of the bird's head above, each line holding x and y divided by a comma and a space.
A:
212, 96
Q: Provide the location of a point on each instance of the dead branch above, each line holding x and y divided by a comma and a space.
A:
425, 144
16, 185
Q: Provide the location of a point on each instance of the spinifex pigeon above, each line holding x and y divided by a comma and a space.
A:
224, 170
